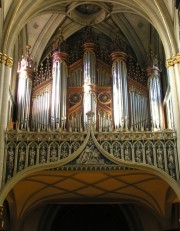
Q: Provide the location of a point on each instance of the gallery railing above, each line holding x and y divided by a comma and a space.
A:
90, 150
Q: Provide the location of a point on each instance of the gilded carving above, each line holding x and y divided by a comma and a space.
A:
4, 59
9, 62
172, 61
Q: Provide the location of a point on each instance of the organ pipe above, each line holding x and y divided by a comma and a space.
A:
89, 72
59, 90
25, 72
138, 109
155, 97
120, 90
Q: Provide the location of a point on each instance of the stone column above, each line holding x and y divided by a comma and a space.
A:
173, 66
3, 59
7, 65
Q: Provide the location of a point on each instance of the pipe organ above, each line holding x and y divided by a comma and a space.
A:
109, 83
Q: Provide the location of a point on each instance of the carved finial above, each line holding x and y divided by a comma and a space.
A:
28, 47
152, 59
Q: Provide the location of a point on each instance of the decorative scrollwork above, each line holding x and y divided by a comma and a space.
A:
104, 98
75, 98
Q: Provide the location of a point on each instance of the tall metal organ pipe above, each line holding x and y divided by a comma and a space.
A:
120, 90
89, 76
25, 72
59, 90
155, 98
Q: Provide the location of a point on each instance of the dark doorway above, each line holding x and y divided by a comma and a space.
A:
94, 217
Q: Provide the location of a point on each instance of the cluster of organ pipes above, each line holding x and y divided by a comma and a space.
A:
75, 121
139, 109
103, 77
75, 78
61, 102
40, 110
105, 121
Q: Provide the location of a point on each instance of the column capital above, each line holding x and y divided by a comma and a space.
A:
9, 62
172, 61
6, 60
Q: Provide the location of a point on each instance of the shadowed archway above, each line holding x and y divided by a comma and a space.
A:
91, 217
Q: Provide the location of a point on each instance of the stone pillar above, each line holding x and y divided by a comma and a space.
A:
5, 81
3, 59
173, 65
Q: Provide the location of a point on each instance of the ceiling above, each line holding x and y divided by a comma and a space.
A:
125, 186
108, 19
